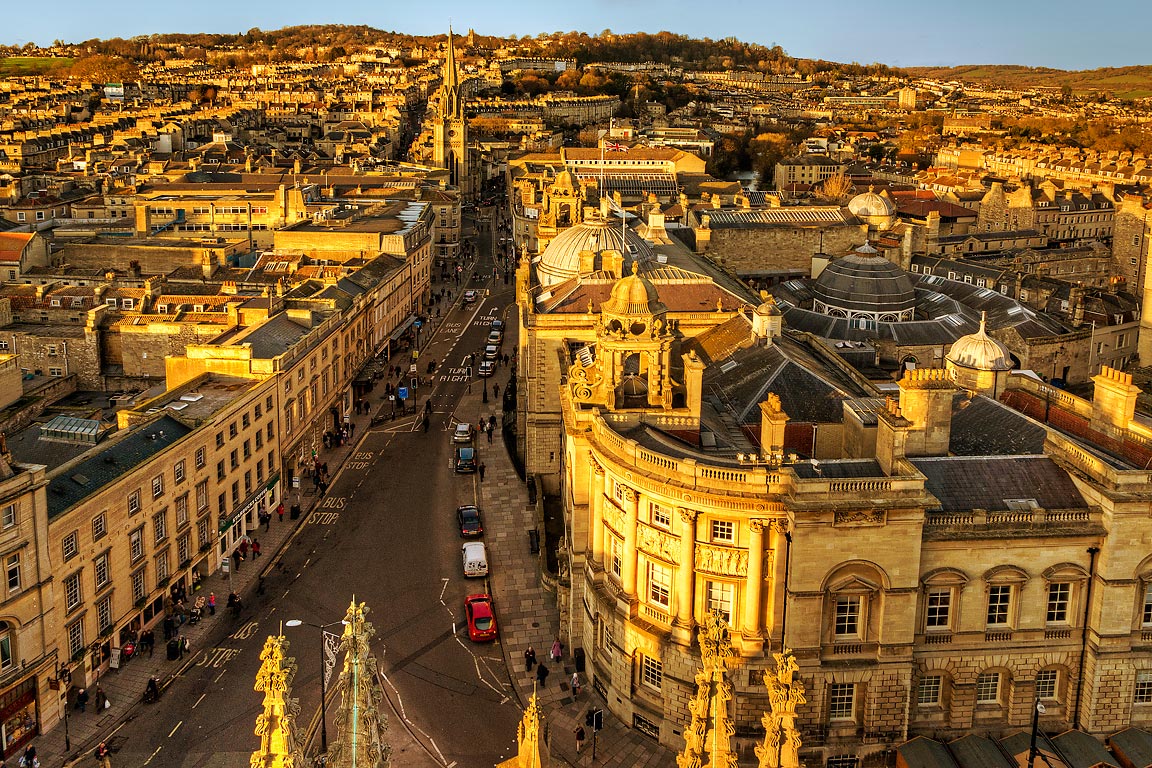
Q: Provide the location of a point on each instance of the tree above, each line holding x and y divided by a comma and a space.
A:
104, 69
836, 189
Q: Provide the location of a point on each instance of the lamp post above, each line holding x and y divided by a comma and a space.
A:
323, 677
1036, 712
64, 682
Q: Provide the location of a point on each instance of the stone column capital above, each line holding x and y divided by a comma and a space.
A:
596, 466
630, 494
687, 515
757, 526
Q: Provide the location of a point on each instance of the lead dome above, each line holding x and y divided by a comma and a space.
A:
561, 259
864, 284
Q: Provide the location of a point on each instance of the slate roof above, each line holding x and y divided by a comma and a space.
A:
982, 426
1083, 751
962, 484
922, 752
978, 752
1134, 745
273, 338
106, 464
838, 469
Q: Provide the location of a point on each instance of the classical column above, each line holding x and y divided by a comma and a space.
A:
596, 492
631, 508
686, 577
752, 626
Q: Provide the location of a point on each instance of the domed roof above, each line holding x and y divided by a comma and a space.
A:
561, 259
864, 282
980, 351
869, 204
633, 295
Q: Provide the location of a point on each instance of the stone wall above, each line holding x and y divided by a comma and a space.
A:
779, 251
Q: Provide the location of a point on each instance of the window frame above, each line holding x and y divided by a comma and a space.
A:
719, 529
659, 585
842, 707
982, 679
651, 672
70, 545
933, 683
846, 601
1051, 685
73, 592
13, 573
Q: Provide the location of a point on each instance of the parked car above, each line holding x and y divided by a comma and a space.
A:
468, 517
487, 367
496, 325
463, 433
496, 337
491, 351
470, 297
475, 559
481, 618
465, 459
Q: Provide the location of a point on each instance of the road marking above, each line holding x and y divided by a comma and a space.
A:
153, 755
323, 518
222, 672
173, 731
245, 631
217, 657
199, 700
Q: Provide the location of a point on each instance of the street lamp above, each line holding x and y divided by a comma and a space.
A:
1036, 712
323, 676
64, 681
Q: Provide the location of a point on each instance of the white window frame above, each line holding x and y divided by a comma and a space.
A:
848, 608
659, 585
1006, 605
938, 609
842, 701
73, 592
70, 545
988, 686
720, 597
1058, 606
99, 527
9, 517
661, 516
651, 672
1142, 692
75, 634
134, 502
13, 575
1048, 684
102, 570
139, 586
157, 486
1146, 608
930, 690
722, 531
104, 615
616, 557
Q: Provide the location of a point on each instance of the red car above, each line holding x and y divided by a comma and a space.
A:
481, 618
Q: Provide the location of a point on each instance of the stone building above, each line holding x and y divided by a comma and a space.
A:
1058, 212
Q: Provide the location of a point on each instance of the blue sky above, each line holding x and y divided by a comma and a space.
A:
1065, 34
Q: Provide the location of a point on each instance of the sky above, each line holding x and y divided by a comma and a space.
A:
1063, 34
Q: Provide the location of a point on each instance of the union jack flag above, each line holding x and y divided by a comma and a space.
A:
615, 146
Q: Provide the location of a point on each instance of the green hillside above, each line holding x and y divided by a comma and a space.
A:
18, 66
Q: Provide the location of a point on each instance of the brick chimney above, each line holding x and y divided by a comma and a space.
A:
772, 422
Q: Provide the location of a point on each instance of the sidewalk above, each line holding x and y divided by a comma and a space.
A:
125, 687
528, 614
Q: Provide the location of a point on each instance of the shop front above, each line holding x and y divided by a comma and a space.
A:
19, 716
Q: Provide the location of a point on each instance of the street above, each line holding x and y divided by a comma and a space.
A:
385, 534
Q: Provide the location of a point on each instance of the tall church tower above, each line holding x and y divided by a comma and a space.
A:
450, 145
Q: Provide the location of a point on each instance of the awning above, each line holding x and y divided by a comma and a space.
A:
404, 326
272, 481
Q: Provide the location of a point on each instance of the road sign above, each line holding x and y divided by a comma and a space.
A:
402, 393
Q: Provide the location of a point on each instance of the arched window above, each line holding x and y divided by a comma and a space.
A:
941, 600
7, 651
852, 602
1004, 584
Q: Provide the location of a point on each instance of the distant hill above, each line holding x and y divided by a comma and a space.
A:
1121, 82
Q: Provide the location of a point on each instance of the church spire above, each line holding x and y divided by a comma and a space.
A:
452, 105
781, 747
275, 724
360, 722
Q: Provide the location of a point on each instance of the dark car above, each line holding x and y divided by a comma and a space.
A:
468, 516
481, 618
465, 459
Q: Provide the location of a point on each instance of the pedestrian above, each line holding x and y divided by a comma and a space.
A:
211, 605
579, 738
243, 549
151, 691
541, 675
557, 650
30, 758
185, 647
102, 755
481, 468
495, 390
256, 546
576, 684
99, 699
82, 700
529, 658
149, 639
267, 520
489, 431
280, 511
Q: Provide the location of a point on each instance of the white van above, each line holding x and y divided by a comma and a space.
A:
475, 559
